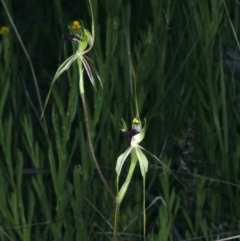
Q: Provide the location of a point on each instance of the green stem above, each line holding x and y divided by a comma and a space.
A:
144, 210
81, 87
80, 69
93, 28
135, 89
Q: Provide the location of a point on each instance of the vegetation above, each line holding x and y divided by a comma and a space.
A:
182, 56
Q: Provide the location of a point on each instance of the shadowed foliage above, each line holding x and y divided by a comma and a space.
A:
186, 58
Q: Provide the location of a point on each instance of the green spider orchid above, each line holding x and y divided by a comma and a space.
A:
135, 136
85, 42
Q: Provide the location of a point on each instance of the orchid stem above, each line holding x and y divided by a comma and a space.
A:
81, 85
91, 147
135, 88
82, 94
144, 210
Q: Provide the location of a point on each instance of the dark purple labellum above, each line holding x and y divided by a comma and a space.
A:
71, 37
129, 134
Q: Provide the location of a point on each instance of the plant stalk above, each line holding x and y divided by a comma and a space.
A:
82, 94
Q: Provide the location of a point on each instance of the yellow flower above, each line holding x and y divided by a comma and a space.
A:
4, 30
76, 27
76, 23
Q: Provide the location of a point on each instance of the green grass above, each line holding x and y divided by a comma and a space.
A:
49, 187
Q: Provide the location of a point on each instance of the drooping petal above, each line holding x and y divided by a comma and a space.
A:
143, 162
63, 67
121, 159
124, 188
93, 68
88, 69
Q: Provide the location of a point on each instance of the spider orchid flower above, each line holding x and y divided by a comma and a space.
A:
85, 42
135, 136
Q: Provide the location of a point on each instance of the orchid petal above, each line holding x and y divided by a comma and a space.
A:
123, 125
124, 188
88, 69
63, 67
121, 159
143, 162
93, 68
